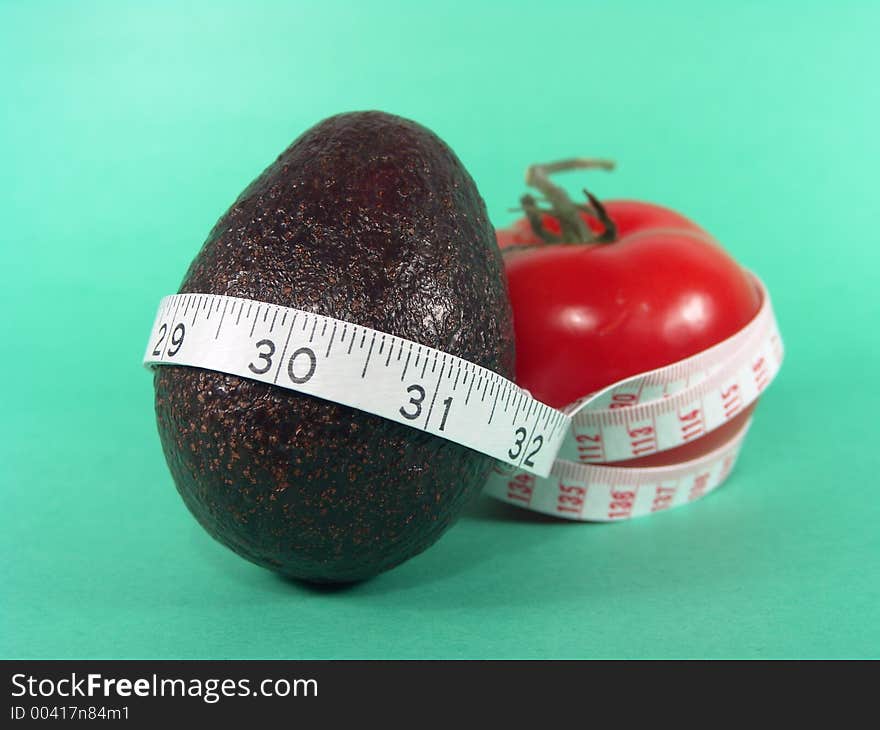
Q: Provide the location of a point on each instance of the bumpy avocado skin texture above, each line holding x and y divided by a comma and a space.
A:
370, 218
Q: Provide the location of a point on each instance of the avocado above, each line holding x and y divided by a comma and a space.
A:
369, 218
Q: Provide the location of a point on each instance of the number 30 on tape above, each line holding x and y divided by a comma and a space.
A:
553, 457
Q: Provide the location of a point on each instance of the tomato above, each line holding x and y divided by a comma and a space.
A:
589, 314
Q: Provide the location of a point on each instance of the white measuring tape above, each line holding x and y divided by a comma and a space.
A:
553, 455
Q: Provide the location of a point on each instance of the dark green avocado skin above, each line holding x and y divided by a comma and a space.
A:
369, 218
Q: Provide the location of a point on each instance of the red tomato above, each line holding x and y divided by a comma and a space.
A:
587, 315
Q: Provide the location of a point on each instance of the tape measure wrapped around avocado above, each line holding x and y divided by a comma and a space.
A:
348, 343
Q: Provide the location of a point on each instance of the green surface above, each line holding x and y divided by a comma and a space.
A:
127, 129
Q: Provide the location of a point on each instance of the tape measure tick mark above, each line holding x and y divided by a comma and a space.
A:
369, 353
330, 344
434, 397
284, 351
494, 404
406, 364
221, 319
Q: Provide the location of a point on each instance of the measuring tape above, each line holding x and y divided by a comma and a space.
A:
554, 457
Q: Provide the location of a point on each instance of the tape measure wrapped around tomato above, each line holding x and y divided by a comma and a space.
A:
640, 307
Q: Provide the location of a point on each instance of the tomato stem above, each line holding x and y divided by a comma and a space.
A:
572, 226
534, 215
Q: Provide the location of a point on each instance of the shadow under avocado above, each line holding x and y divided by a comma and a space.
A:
455, 554
445, 559
320, 589
442, 561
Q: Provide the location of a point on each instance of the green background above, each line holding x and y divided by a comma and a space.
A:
128, 128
